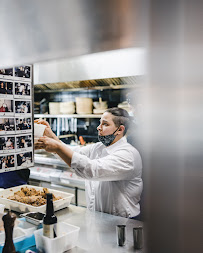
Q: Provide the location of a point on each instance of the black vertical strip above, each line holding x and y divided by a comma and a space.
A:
76, 196
32, 106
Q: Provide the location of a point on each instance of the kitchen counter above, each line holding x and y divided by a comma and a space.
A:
98, 230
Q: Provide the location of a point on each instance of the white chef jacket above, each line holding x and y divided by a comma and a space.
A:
113, 177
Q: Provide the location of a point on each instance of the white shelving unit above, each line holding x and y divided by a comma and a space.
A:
81, 116
58, 117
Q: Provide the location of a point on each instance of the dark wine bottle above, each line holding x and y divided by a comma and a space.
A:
50, 220
9, 220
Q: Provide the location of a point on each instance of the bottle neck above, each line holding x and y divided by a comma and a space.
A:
49, 208
49, 218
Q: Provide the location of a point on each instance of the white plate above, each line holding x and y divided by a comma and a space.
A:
25, 208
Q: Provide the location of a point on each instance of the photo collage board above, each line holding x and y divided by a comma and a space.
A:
16, 119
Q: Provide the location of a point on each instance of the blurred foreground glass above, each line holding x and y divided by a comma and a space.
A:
138, 237
121, 234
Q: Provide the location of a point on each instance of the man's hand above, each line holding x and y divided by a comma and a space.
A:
43, 122
49, 144
53, 146
47, 132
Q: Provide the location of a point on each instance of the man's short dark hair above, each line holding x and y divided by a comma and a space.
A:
121, 117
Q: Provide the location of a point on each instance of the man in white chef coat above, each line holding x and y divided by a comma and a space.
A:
112, 167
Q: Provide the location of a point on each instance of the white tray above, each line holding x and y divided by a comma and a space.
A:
67, 236
24, 208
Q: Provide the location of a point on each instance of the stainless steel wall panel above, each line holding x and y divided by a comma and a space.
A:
116, 63
34, 31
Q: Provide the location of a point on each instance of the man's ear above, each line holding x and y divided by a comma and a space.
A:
121, 129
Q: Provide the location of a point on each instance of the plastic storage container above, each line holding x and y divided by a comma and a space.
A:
25, 208
23, 236
1, 215
18, 236
66, 239
27, 227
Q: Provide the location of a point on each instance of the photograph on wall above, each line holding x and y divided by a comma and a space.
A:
7, 126
22, 90
6, 107
7, 162
24, 160
23, 125
23, 107
24, 142
7, 144
6, 73
23, 72
6, 89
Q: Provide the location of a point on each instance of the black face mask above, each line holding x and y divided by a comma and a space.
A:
107, 139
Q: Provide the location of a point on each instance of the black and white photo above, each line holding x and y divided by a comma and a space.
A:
7, 126
23, 125
7, 144
24, 159
23, 72
6, 89
7, 162
6, 107
6, 72
22, 107
23, 142
22, 90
